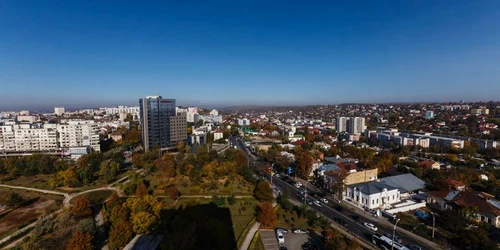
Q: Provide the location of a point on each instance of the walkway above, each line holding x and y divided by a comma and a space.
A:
249, 237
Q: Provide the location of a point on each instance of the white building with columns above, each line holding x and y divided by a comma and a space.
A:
373, 194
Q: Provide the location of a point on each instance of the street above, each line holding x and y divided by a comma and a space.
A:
328, 210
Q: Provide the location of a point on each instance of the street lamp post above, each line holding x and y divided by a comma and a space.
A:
271, 174
394, 233
433, 224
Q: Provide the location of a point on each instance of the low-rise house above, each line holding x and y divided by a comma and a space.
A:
406, 183
454, 184
430, 164
218, 134
477, 206
373, 194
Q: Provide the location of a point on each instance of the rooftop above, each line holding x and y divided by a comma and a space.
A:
372, 187
404, 182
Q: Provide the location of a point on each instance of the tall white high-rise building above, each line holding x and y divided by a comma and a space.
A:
59, 111
357, 125
341, 124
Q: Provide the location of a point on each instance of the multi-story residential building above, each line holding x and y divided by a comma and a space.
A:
480, 111
160, 124
76, 133
356, 125
59, 111
429, 114
7, 138
341, 124
243, 122
189, 112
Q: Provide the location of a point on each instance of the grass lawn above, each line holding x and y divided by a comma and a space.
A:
290, 220
96, 197
241, 213
37, 181
257, 243
12, 220
230, 185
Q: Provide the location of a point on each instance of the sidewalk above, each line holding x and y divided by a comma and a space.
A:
249, 236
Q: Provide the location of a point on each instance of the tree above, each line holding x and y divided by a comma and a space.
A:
338, 186
141, 190
13, 200
81, 207
266, 215
304, 162
86, 225
108, 170
231, 199
335, 242
68, 177
173, 192
80, 241
118, 213
120, 234
263, 192
166, 166
143, 222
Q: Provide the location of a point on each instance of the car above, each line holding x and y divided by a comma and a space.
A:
277, 175
298, 185
396, 238
298, 231
324, 200
355, 217
370, 226
281, 230
339, 208
310, 202
283, 248
415, 247
317, 203
281, 238
341, 221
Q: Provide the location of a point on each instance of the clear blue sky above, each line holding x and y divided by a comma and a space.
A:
93, 53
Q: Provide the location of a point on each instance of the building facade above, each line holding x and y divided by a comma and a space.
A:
160, 124
59, 111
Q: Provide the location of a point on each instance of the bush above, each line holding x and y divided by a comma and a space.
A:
13, 200
219, 201
231, 200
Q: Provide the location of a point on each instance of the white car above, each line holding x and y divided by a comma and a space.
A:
299, 231
324, 200
370, 226
317, 203
298, 185
281, 238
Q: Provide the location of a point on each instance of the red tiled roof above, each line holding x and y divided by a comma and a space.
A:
439, 194
298, 143
478, 200
454, 183
347, 165
427, 163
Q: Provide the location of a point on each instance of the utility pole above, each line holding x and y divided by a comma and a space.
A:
433, 224
394, 233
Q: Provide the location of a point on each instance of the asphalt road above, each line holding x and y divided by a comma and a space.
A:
328, 210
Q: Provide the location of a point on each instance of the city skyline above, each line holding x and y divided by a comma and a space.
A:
88, 54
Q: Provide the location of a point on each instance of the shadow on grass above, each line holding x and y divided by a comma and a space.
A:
204, 226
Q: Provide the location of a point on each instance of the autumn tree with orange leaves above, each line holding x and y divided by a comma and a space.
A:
81, 208
80, 241
266, 215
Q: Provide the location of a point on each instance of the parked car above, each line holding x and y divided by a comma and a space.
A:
370, 226
281, 230
281, 238
277, 175
317, 203
341, 221
415, 247
324, 200
298, 185
299, 231
396, 238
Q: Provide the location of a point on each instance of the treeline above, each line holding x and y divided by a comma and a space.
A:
90, 168
32, 165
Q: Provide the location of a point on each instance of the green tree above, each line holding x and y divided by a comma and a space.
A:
13, 200
108, 170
